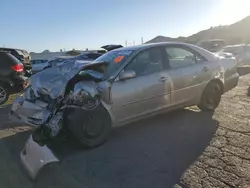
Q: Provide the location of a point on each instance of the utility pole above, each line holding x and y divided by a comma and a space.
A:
142, 40
126, 43
133, 42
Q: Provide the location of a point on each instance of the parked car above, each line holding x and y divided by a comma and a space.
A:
241, 52
213, 45
110, 47
86, 56
38, 65
23, 56
11, 76
123, 85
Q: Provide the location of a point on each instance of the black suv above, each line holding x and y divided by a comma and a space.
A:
23, 56
12, 77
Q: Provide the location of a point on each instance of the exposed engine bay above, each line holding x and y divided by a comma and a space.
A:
73, 87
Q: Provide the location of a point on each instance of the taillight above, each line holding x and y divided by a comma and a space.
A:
17, 67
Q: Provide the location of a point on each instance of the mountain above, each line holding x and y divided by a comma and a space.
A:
236, 33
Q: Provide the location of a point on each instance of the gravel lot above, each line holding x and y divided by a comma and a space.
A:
186, 148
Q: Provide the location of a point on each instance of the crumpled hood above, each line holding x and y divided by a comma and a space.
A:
53, 81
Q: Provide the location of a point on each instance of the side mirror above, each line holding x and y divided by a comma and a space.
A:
127, 75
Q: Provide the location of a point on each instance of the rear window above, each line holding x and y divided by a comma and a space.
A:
8, 59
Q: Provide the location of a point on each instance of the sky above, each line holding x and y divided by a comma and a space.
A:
36, 25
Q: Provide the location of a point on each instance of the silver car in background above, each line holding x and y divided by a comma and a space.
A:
85, 56
241, 52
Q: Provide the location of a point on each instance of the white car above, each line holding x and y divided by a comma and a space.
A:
38, 65
241, 52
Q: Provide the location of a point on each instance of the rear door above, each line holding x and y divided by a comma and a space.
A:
188, 71
146, 93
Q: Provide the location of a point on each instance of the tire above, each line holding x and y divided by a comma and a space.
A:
211, 97
4, 94
90, 133
248, 91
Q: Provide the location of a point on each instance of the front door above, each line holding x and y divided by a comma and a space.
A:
147, 92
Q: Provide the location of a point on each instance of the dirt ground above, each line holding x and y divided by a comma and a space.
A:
185, 148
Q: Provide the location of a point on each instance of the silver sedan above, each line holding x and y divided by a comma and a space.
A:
119, 87
122, 86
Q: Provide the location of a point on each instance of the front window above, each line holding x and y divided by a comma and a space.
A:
113, 60
146, 62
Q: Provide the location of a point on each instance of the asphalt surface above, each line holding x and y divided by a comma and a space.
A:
185, 148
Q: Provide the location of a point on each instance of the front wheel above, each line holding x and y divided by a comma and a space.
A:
211, 97
91, 127
4, 94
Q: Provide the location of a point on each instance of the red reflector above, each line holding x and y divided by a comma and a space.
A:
17, 67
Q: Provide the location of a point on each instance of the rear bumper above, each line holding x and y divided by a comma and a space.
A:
231, 82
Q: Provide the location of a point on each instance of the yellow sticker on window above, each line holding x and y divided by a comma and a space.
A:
118, 59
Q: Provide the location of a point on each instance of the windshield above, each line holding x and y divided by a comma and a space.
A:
113, 60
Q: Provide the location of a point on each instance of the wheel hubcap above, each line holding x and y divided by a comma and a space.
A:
2, 94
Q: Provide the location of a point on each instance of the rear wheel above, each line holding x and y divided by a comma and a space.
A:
211, 97
4, 94
90, 127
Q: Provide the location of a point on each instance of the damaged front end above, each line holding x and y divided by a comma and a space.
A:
46, 99
50, 92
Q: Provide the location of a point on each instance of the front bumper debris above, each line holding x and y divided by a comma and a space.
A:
34, 157
34, 114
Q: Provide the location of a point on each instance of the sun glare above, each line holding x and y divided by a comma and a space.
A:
230, 11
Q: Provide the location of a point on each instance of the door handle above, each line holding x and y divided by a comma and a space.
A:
162, 79
205, 69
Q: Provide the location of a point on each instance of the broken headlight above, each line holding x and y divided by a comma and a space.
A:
85, 96
84, 99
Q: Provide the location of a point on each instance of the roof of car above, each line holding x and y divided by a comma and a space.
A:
236, 45
144, 46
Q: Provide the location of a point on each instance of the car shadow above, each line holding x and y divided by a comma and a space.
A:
243, 70
150, 153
